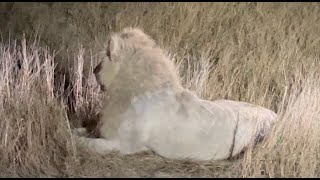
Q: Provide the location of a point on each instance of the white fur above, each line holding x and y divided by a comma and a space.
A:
203, 131
149, 110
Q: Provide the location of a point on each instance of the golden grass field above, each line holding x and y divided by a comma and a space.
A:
263, 53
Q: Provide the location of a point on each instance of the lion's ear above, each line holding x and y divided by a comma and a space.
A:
112, 48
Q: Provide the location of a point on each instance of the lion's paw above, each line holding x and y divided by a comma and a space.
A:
80, 132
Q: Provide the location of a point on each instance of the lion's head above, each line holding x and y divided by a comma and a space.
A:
117, 47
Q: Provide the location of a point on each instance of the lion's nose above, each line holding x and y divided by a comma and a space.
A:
98, 68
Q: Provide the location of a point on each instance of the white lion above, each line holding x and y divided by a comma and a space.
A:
148, 109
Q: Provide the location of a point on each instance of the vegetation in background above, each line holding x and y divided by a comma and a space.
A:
262, 53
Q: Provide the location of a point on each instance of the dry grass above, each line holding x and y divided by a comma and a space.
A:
263, 53
293, 149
